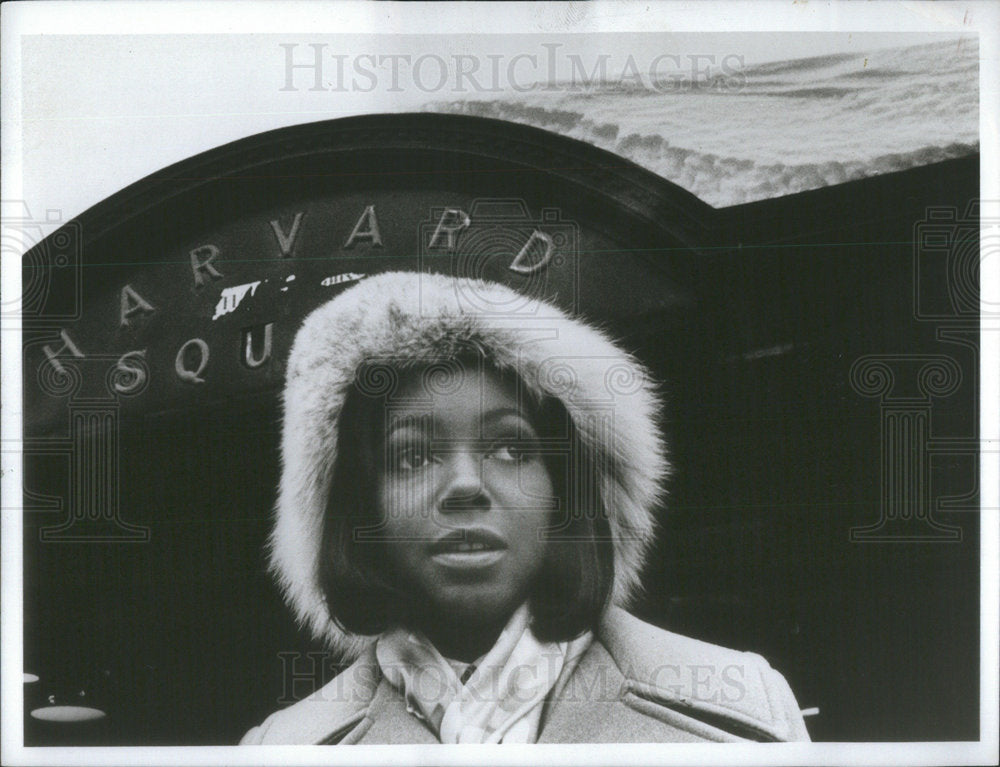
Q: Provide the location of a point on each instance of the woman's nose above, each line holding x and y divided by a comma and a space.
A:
463, 483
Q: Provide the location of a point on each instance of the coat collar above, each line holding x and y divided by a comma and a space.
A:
635, 683
389, 721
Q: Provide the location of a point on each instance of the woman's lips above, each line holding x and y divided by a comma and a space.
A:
469, 559
468, 548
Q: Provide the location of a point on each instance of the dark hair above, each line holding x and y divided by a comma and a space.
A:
572, 587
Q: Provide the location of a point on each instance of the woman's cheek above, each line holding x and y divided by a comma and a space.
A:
406, 501
536, 487
396, 515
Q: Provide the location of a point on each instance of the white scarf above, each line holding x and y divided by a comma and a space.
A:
501, 702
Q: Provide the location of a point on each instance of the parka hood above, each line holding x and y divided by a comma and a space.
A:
419, 318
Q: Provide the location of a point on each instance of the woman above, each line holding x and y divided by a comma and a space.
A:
465, 506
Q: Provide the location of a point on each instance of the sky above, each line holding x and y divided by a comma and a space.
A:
101, 105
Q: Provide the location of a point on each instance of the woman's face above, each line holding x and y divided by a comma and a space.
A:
464, 496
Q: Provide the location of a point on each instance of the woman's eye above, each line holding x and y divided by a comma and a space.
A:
511, 451
413, 457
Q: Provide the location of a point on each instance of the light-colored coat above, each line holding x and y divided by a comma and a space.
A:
635, 684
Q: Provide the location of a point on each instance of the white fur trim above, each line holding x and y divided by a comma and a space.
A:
422, 317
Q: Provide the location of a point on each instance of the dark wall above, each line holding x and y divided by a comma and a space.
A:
781, 459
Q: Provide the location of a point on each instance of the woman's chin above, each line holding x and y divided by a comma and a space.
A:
475, 609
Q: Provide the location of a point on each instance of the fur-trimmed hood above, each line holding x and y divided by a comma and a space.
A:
421, 317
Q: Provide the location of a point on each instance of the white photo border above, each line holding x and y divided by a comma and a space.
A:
246, 18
